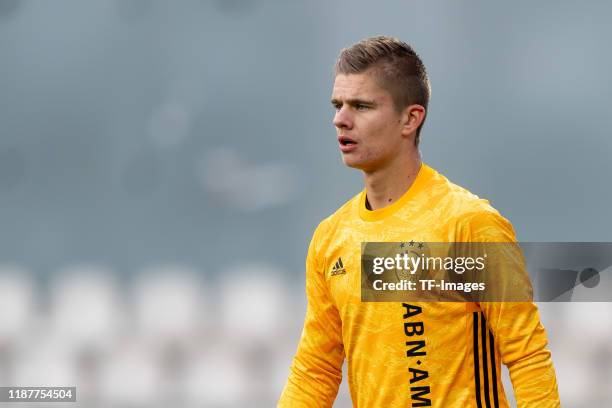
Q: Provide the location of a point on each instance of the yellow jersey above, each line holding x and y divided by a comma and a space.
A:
428, 354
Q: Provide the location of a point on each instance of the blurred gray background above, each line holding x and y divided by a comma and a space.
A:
143, 141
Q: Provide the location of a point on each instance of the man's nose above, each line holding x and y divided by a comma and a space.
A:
342, 118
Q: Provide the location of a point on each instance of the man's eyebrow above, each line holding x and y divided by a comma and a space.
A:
354, 101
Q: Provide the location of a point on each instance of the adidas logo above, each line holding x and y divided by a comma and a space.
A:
338, 268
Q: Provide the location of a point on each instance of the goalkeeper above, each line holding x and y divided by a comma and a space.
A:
438, 354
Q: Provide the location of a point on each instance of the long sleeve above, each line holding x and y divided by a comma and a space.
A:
516, 326
316, 372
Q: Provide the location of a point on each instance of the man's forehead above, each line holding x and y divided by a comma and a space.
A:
357, 86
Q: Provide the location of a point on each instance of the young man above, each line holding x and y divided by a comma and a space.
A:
440, 354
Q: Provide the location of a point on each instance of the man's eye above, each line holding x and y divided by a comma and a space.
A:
337, 107
361, 107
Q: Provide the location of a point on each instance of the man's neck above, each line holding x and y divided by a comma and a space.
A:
385, 186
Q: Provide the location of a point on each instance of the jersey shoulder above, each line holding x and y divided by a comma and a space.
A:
475, 216
346, 213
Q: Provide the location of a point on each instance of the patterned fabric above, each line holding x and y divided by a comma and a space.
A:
438, 354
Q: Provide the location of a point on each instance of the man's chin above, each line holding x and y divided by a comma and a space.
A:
352, 163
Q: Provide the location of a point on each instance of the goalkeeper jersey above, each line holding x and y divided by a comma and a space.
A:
438, 354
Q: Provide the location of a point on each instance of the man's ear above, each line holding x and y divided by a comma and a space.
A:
412, 117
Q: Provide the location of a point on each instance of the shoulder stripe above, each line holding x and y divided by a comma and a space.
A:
476, 362
485, 366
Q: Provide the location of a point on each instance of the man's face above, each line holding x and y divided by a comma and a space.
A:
369, 127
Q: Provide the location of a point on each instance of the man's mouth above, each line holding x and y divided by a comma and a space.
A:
346, 141
347, 144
